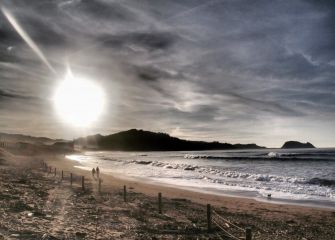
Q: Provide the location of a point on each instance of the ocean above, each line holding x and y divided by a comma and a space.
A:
296, 176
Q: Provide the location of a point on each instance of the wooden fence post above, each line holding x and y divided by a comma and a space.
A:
71, 179
248, 234
96, 225
62, 174
124, 193
209, 218
99, 185
160, 203
83, 182
55, 171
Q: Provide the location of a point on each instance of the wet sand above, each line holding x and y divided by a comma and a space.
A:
38, 205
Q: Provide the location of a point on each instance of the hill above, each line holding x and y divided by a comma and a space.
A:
139, 140
30, 145
6, 137
296, 144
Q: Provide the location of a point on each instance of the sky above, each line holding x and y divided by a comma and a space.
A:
233, 71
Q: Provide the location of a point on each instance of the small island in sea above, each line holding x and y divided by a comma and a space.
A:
296, 144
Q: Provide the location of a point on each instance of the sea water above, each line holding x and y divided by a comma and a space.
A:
298, 176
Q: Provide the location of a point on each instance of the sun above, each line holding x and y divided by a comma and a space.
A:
79, 101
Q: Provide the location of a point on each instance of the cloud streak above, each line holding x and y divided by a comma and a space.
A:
26, 38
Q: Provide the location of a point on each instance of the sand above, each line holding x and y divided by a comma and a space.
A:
36, 204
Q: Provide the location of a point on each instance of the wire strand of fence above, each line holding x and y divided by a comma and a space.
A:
218, 235
227, 221
225, 231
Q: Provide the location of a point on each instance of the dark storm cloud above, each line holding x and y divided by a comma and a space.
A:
148, 73
8, 35
151, 73
161, 40
10, 94
216, 70
5, 94
99, 9
149, 40
8, 38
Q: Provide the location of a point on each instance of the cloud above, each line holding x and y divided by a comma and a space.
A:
153, 40
151, 73
14, 95
222, 70
100, 10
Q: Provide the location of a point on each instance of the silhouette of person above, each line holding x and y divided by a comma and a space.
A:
93, 172
98, 172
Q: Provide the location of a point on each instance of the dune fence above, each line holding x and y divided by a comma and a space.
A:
216, 223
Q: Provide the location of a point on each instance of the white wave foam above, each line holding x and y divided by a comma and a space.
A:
240, 175
273, 155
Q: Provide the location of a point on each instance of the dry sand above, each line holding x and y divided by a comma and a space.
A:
38, 205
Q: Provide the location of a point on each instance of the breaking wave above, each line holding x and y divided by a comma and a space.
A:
236, 174
290, 174
268, 156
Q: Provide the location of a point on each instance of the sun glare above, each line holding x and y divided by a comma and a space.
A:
79, 101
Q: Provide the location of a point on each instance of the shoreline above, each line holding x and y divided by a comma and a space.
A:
171, 191
235, 193
318, 204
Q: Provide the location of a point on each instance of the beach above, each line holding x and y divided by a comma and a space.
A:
37, 204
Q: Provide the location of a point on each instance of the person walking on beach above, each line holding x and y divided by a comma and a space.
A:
93, 172
98, 172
